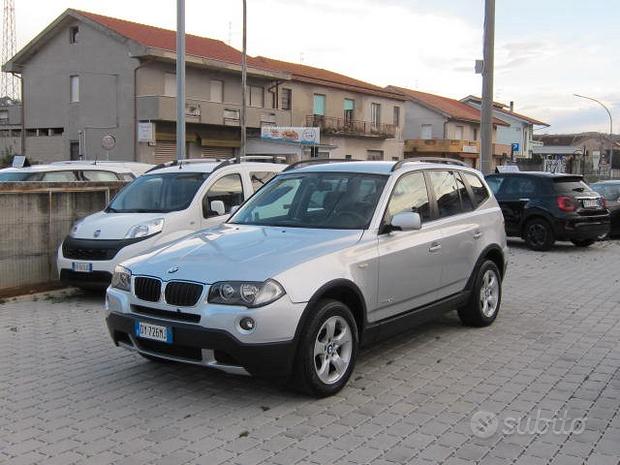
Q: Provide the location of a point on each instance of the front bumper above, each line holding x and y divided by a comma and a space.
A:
214, 348
582, 227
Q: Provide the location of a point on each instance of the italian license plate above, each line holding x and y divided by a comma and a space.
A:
82, 267
590, 203
153, 332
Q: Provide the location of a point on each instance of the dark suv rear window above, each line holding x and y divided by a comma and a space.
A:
570, 186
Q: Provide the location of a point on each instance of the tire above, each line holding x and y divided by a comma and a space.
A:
583, 242
317, 369
538, 234
486, 297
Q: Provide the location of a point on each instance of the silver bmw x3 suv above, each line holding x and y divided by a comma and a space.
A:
323, 259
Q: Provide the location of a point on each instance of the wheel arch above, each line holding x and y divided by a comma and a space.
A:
494, 253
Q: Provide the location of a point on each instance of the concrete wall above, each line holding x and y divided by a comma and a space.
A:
105, 104
35, 219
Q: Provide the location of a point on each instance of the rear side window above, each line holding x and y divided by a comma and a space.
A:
495, 183
409, 195
519, 186
570, 186
446, 193
93, 175
59, 176
260, 178
466, 202
477, 188
228, 189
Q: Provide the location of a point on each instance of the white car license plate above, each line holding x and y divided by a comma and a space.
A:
590, 203
82, 267
153, 332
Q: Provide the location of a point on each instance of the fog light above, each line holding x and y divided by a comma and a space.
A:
247, 324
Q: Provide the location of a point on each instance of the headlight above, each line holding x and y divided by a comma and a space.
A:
247, 294
75, 227
121, 279
148, 228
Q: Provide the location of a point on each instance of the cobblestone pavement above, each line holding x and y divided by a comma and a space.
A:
67, 395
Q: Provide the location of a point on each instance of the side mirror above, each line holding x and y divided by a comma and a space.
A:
406, 221
233, 209
218, 207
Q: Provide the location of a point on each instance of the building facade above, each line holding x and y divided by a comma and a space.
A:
518, 134
443, 127
10, 129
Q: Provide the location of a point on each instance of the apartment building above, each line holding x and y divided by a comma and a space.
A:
445, 127
519, 134
87, 76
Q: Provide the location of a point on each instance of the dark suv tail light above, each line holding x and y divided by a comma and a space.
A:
566, 204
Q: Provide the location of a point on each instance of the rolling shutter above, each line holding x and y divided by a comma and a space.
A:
165, 151
217, 152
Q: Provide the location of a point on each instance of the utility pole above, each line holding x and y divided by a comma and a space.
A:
611, 131
244, 73
486, 119
181, 80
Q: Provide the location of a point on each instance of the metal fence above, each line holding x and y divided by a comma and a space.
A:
34, 219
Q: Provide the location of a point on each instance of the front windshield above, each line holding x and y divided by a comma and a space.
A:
611, 191
155, 193
16, 176
315, 200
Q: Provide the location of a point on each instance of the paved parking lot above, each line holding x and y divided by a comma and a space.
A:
439, 394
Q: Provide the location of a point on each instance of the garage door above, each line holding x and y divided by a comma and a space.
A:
165, 151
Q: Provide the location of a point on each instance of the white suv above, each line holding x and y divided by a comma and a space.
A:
322, 259
168, 202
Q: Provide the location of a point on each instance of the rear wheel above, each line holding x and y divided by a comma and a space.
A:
538, 234
486, 297
583, 242
327, 350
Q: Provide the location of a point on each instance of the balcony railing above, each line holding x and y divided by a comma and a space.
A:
345, 127
441, 146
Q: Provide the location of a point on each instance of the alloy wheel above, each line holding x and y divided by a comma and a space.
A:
333, 349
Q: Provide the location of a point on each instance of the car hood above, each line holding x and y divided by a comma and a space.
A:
111, 225
240, 252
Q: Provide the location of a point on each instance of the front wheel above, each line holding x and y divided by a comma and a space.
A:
327, 350
583, 242
486, 297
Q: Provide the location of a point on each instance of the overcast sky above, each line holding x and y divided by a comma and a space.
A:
545, 50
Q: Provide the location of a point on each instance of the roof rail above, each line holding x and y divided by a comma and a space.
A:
317, 161
180, 163
447, 161
223, 161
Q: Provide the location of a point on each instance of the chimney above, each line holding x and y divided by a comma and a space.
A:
512, 106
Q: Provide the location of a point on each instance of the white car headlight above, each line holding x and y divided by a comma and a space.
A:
148, 228
244, 293
121, 279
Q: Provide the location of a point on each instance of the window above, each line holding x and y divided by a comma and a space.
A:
518, 186
458, 133
4, 115
349, 108
260, 178
375, 114
466, 202
427, 131
228, 189
74, 150
217, 91
480, 192
475, 133
170, 85
257, 97
409, 195
374, 154
319, 104
287, 98
59, 176
446, 193
92, 175
495, 182
74, 94
74, 34
396, 116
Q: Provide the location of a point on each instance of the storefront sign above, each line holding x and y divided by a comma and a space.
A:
309, 136
146, 132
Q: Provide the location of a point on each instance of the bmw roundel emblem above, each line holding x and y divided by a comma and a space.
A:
97, 233
174, 269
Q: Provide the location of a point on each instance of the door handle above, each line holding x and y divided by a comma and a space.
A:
524, 200
435, 246
477, 234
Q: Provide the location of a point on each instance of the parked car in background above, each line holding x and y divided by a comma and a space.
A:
161, 206
322, 259
136, 168
610, 191
75, 171
544, 207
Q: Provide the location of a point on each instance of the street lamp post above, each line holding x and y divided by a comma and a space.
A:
611, 131
180, 68
244, 73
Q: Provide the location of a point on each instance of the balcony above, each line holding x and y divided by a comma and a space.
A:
434, 146
331, 126
163, 108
